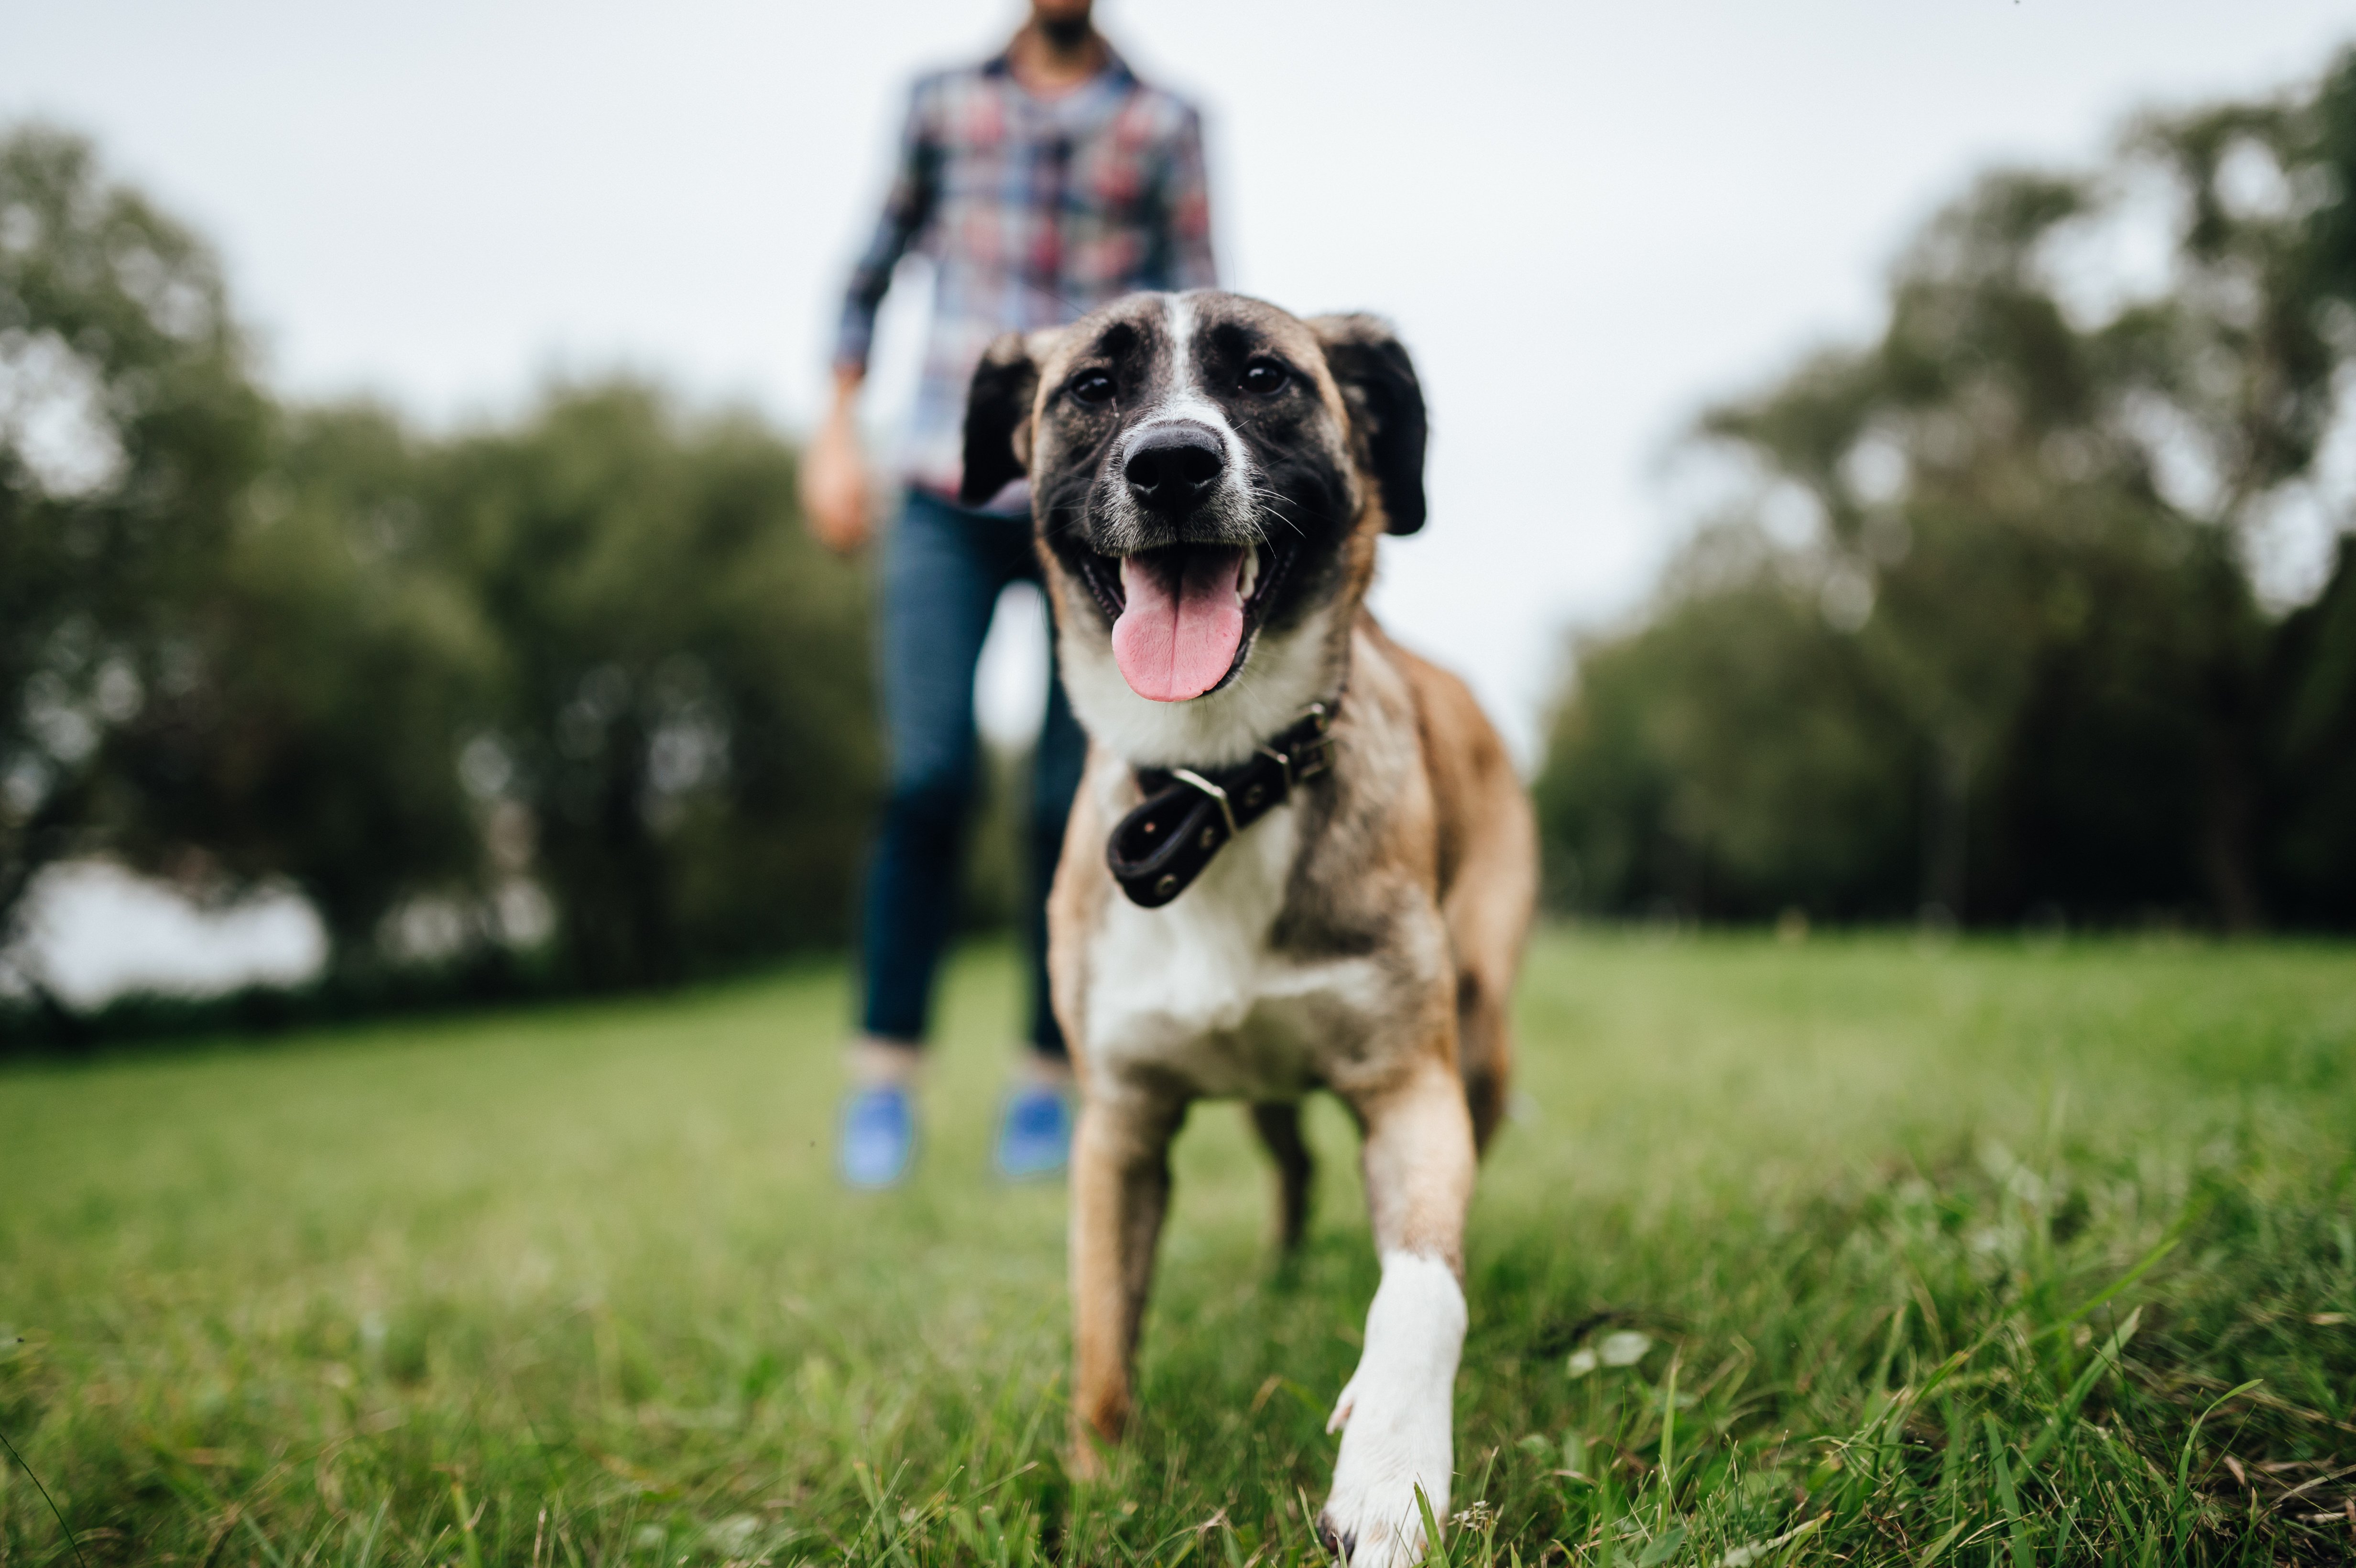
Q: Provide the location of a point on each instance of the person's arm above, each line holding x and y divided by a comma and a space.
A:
834, 488
835, 500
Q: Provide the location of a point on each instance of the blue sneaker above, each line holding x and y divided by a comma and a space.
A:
879, 1136
1034, 1135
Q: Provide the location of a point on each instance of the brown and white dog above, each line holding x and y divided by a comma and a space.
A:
1210, 477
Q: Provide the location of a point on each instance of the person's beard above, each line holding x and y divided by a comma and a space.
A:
1065, 35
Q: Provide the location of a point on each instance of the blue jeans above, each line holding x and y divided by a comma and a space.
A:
943, 572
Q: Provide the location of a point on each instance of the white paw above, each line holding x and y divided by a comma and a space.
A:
1377, 1525
1398, 1415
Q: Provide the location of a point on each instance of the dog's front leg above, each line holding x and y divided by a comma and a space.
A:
1396, 1412
1120, 1187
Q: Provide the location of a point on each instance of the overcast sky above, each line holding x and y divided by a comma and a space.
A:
1587, 220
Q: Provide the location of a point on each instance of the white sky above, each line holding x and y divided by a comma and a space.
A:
1587, 220
95, 931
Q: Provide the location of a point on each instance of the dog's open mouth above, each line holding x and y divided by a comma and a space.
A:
1183, 615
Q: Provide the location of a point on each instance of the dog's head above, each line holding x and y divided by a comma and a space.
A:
1209, 475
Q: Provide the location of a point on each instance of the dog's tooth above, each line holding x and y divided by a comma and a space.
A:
1250, 575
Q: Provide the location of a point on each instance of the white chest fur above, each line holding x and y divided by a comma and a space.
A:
1195, 990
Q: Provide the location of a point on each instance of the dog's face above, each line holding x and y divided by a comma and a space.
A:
1208, 475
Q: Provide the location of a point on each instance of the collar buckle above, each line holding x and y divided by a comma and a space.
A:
1226, 807
1304, 755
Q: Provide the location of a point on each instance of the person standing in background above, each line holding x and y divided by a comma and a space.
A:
1043, 183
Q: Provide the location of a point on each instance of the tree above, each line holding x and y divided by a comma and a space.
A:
2311, 689
587, 662
1730, 758
2031, 504
334, 668
685, 721
129, 433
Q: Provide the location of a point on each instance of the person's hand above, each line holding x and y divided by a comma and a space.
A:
834, 475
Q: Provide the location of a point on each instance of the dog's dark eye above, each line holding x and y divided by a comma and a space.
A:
1262, 376
1091, 386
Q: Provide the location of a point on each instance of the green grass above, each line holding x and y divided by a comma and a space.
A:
577, 1286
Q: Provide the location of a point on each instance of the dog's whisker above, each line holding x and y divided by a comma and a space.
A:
1275, 501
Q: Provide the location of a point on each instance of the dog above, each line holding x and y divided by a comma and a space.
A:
1299, 857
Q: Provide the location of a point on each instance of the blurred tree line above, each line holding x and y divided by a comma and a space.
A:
574, 693
1984, 640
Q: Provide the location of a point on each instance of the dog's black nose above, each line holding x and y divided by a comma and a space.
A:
1173, 466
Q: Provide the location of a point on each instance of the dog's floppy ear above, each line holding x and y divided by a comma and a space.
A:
1385, 401
997, 418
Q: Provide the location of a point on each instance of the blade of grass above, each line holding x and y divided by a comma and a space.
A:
1607, 1515
2184, 1459
47, 1499
1435, 1551
1480, 1496
2105, 1359
376, 1525
1669, 1441
2023, 1557
2149, 1261
269, 1549
1309, 1518
1931, 1553
1963, 1357
1890, 1345
468, 1544
1760, 1552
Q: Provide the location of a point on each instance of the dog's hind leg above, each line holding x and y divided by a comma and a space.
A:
1120, 1187
1487, 905
1277, 1122
1485, 1054
1398, 1408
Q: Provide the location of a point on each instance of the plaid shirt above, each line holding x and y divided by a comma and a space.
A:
1034, 211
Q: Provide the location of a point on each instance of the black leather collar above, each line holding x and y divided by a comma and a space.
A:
1159, 849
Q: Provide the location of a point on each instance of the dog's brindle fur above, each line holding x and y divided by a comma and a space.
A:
1363, 937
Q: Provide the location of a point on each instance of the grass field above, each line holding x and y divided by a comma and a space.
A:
1977, 1253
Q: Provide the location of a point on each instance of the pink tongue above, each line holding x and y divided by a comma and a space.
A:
1178, 633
